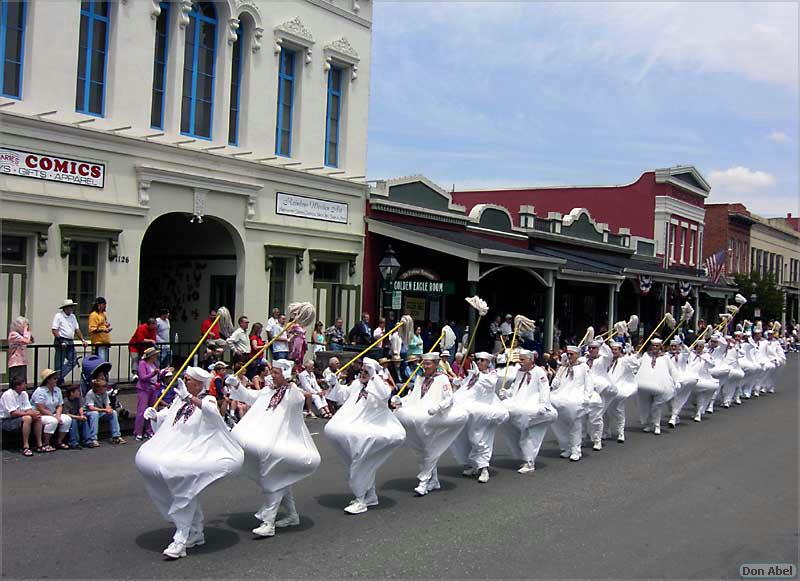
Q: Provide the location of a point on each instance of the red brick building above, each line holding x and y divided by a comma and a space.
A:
728, 228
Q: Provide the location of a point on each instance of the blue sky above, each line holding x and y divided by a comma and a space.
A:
486, 94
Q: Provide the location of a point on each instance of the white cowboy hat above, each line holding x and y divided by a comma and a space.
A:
68, 303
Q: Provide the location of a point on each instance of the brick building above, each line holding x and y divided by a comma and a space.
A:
728, 228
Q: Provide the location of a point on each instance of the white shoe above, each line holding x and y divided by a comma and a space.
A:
696, 418
598, 445
710, 409
356, 507
484, 476
526, 468
421, 489
291, 520
469, 472
196, 539
565, 454
738, 401
575, 456
265, 530
175, 550
647, 429
726, 405
672, 422
657, 430
621, 438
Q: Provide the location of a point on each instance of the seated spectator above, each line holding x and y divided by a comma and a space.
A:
261, 379
217, 386
313, 393
456, 365
79, 432
16, 413
48, 400
164, 377
99, 407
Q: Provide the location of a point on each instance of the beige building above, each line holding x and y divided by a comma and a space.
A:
186, 155
775, 251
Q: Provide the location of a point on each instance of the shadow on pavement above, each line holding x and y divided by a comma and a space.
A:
246, 522
216, 540
339, 501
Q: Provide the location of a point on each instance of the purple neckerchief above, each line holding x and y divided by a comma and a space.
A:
590, 361
363, 393
186, 411
613, 365
527, 377
427, 382
471, 383
277, 398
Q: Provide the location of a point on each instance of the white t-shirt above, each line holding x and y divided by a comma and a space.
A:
162, 330
282, 344
65, 325
271, 322
12, 401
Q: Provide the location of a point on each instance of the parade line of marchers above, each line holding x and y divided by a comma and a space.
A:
435, 411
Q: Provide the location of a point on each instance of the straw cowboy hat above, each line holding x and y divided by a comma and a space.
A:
47, 374
149, 352
68, 303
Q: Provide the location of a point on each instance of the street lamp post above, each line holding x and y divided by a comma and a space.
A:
389, 268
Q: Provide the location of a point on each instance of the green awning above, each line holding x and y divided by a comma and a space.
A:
719, 294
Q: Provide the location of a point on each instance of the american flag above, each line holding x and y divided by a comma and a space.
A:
715, 266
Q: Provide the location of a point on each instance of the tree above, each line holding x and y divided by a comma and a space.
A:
769, 298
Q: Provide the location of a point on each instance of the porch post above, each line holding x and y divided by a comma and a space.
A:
697, 316
612, 299
549, 311
473, 276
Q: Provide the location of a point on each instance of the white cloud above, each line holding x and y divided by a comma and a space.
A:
740, 180
778, 137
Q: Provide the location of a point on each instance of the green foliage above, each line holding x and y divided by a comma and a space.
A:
769, 298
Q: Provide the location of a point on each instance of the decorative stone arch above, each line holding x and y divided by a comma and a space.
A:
530, 271
492, 217
575, 216
248, 11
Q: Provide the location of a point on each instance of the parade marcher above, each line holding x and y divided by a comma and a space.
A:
701, 363
655, 380
572, 390
364, 432
717, 349
432, 420
530, 412
474, 445
598, 360
687, 378
622, 375
750, 365
279, 450
191, 449
731, 385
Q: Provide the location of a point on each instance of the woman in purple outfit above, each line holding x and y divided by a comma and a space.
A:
146, 391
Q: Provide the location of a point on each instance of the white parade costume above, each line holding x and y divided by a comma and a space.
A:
706, 384
622, 374
474, 445
570, 397
718, 349
604, 392
432, 421
732, 384
530, 412
279, 450
687, 379
655, 380
751, 366
365, 433
191, 449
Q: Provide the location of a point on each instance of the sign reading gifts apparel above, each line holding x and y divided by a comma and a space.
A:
312, 208
42, 166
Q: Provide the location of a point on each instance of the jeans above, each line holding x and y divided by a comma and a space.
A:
79, 432
280, 355
94, 423
102, 351
65, 359
165, 358
337, 347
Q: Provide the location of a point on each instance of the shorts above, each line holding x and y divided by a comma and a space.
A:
12, 424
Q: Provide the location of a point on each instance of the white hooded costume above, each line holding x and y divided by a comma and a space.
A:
432, 421
279, 450
364, 432
622, 374
604, 391
191, 449
701, 363
572, 389
687, 379
732, 384
750, 365
474, 445
720, 370
655, 380
530, 413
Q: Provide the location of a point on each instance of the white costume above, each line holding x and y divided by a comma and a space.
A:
365, 433
572, 391
732, 384
655, 380
432, 421
474, 445
701, 364
718, 349
750, 365
278, 448
622, 373
191, 449
687, 379
604, 392
530, 412
308, 383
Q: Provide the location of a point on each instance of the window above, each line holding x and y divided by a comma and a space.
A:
671, 235
12, 47
236, 86
82, 282
283, 129
327, 271
92, 56
160, 68
197, 105
277, 283
13, 250
333, 117
683, 245
731, 254
692, 237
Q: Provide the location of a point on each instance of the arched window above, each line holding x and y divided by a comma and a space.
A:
92, 58
12, 47
197, 106
160, 68
236, 87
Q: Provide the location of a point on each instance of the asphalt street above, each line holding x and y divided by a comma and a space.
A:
695, 502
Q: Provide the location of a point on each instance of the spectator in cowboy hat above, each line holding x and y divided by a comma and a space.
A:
146, 391
48, 400
65, 328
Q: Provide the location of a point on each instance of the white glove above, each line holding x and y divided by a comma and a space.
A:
564, 359
502, 394
232, 381
396, 401
181, 391
150, 414
433, 411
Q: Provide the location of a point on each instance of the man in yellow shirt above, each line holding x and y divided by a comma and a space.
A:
100, 328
